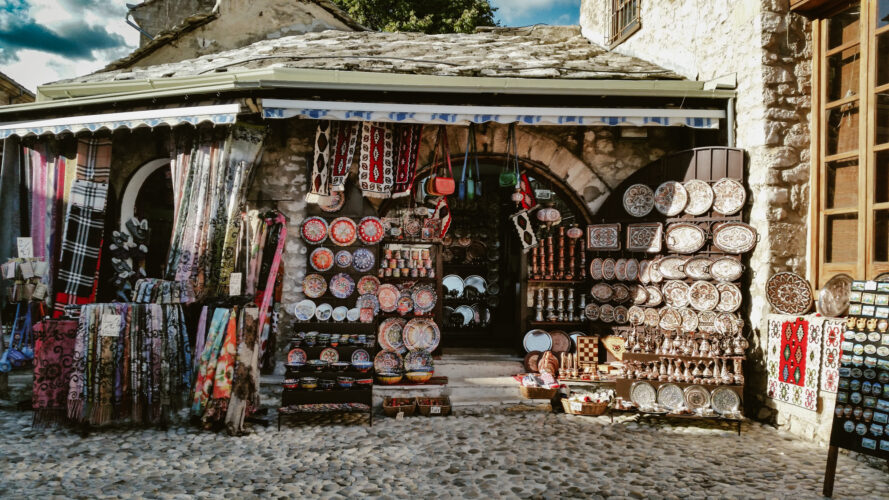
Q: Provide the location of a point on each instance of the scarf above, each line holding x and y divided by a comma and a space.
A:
268, 292
375, 170
245, 388
408, 153
222, 374
346, 140
10, 203
53, 368
529, 201
442, 213
319, 182
209, 357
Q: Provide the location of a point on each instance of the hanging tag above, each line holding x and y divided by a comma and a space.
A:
110, 326
39, 292
25, 247
40, 268
234, 284
435, 410
9, 270
575, 406
27, 270
399, 415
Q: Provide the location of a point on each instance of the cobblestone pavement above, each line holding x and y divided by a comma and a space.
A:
511, 454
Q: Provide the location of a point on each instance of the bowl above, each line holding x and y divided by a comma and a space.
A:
419, 377
290, 383
364, 382
308, 383
389, 378
345, 382
295, 366
326, 384
310, 341
317, 364
340, 366
295, 342
363, 366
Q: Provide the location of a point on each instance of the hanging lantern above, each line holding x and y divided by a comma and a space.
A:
574, 232
543, 214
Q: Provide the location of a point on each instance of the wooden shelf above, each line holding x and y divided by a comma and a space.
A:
539, 324
557, 282
643, 356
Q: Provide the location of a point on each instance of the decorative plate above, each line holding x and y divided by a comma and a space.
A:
729, 196
314, 230
531, 361
388, 295
421, 333
596, 269
370, 230
606, 313
645, 237
620, 269
390, 334
416, 360
621, 315
675, 293
638, 200
621, 293
342, 285
725, 401
453, 285
354, 314
643, 395
405, 305
652, 318
689, 320
296, 356
537, 340
424, 298
729, 297
412, 227
700, 197
476, 282
632, 269
591, 311
368, 301
726, 269
697, 268
703, 296
305, 309
339, 313
671, 397
344, 258
388, 362
360, 355
343, 231
368, 284
833, 299
363, 260
639, 295
670, 267
654, 271
728, 324
608, 266
314, 286
321, 259
707, 321
561, 341
685, 237
734, 237
670, 198
636, 316
696, 396
323, 312
333, 202
644, 274
789, 293
603, 237
602, 292
671, 319
655, 297
329, 354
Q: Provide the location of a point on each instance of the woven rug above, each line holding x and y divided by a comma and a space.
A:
794, 359
376, 169
341, 157
830, 354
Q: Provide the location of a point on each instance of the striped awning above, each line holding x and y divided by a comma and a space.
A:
464, 115
219, 114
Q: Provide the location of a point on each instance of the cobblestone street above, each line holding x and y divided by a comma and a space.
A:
513, 454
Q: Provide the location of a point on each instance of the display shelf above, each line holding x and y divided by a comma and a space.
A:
466, 331
433, 382
345, 324
643, 356
539, 324
556, 282
411, 242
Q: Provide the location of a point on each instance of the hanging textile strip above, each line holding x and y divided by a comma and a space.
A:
268, 291
245, 388
375, 171
257, 232
37, 164
409, 138
346, 140
217, 406
442, 213
94, 160
207, 366
53, 368
319, 181
10, 204
525, 230
200, 338
529, 201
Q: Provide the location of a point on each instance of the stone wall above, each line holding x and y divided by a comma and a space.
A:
769, 51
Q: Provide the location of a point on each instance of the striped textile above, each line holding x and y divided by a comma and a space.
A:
94, 160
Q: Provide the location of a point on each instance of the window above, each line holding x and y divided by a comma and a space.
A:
851, 97
624, 20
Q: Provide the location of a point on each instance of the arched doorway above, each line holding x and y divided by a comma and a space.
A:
149, 195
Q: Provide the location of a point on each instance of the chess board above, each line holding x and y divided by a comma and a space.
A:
587, 350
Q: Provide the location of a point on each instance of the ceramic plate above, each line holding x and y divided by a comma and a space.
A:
304, 310
368, 284
671, 397
388, 295
321, 259
684, 237
363, 260
596, 269
703, 296
467, 312
296, 356
344, 258
370, 230
670, 198
608, 269
591, 311
621, 293
537, 340
726, 269
729, 196
390, 334
789, 293
727, 324
734, 237
639, 295
652, 318
333, 202
342, 285
561, 341
696, 396
339, 313
343, 231
620, 269
388, 362
700, 197
405, 305
675, 293
602, 292
421, 333
729, 297
671, 319
417, 360
632, 269
697, 268
424, 298
643, 395
314, 230
476, 282
314, 286
353, 315
644, 274
368, 301
638, 200
725, 401
621, 315
636, 316
645, 237
360, 355
603, 237
329, 354
670, 267
833, 299
453, 285
323, 312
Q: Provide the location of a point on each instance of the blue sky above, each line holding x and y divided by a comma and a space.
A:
43, 41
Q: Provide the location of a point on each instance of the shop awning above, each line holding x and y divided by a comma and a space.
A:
464, 115
219, 114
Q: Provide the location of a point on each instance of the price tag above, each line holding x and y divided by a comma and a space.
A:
40, 268
110, 326
234, 284
435, 410
575, 406
39, 292
399, 415
27, 270
25, 247
9, 270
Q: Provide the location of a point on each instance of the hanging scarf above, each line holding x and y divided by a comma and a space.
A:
442, 213
10, 203
319, 181
346, 140
245, 389
209, 357
268, 291
529, 201
222, 374
53, 368
77, 387
375, 171
408, 153
201, 336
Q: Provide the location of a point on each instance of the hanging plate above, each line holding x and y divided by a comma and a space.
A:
670, 198
388, 362
700, 197
596, 269
343, 231
655, 297
602, 292
530, 362
645, 237
305, 310
608, 268
620, 269
652, 317
339, 313
725, 401
643, 395
644, 274
329, 354
621, 293
734, 237
421, 333
697, 268
606, 313
675, 293
344, 258
453, 285
671, 319
621, 315
789, 293
368, 284
363, 260
689, 320
537, 340
296, 356
418, 360
360, 355
632, 269
390, 334
707, 321
342, 285
321, 259
353, 315
368, 301
323, 312
654, 271
670, 267
703, 296
333, 202
476, 282
388, 295
314, 230
833, 299
424, 298
728, 324
405, 305
591, 311
684, 237
370, 230
729, 196
639, 295
726, 269
314, 286
603, 237
696, 397
729, 297
638, 200
636, 316
671, 397
561, 341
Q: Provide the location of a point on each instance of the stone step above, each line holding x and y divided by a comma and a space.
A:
456, 368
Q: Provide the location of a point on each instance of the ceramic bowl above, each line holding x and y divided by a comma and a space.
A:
364, 382
295, 342
290, 383
317, 364
345, 382
326, 384
340, 366
419, 377
295, 366
389, 378
308, 383
363, 366
310, 341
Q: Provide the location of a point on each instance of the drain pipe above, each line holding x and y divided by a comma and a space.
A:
730, 122
135, 26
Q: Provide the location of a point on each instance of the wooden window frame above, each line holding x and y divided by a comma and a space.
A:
620, 31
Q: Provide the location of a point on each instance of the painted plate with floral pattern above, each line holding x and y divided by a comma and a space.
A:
343, 231
388, 295
632, 269
370, 230
314, 286
390, 334
368, 284
734, 237
424, 298
321, 259
296, 356
696, 396
596, 268
421, 333
314, 230
368, 301
700, 197
675, 293
342, 285
703, 296
729, 297
405, 305
789, 293
636, 316
620, 269
725, 401
329, 354
684, 237
602, 292
344, 258
729, 196
689, 320
418, 359
670, 198
333, 202
726, 269
606, 313
638, 200
388, 362
363, 260
591, 312
360, 355
608, 266
655, 297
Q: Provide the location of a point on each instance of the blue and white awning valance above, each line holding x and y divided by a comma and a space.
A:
464, 115
219, 114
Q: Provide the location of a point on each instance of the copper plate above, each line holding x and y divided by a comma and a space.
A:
561, 341
789, 293
531, 361
833, 299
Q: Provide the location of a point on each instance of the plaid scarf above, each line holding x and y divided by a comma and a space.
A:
346, 140
94, 160
375, 171
408, 152
53, 368
319, 182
